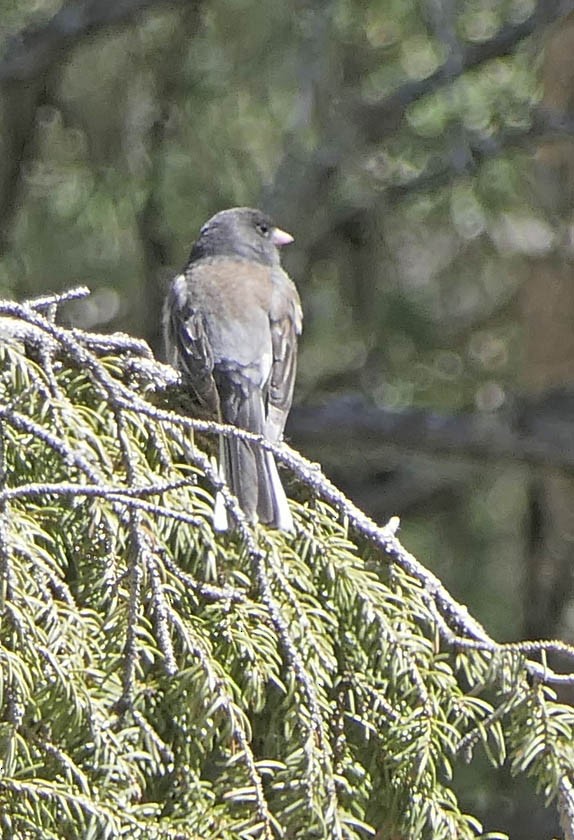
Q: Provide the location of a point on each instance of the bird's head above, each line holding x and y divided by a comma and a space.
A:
241, 232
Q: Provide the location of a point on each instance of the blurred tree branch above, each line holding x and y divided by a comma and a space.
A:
169, 89
29, 58
367, 124
33, 51
536, 431
545, 126
380, 119
18, 107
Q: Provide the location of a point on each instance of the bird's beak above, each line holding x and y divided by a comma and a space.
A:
280, 237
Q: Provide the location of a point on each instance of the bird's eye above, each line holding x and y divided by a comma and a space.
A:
263, 228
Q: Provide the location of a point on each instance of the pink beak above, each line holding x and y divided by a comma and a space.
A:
280, 237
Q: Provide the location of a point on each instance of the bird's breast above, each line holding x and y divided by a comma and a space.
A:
233, 298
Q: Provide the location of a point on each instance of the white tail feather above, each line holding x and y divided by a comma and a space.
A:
284, 519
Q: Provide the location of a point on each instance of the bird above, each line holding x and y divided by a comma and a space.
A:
231, 322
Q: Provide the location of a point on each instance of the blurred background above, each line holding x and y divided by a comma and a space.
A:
422, 154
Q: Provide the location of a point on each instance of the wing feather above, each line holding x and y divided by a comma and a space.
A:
189, 349
284, 332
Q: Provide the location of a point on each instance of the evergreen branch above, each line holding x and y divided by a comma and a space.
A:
174, 647
129, 497
166, 753
163, 613
5, 574
77, 804
237, 724
258, 560
56, 300
208, 591
137, 552
469, 630
566, 807
68, 454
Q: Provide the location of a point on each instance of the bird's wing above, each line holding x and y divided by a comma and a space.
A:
285, 324
188, 346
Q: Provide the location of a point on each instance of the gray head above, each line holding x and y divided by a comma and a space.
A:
241, 232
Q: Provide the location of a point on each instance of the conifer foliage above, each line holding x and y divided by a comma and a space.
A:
162, 680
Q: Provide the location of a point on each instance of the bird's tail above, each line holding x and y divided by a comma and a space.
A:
251, 474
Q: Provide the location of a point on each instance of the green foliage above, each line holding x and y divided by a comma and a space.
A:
114, 153
159, 680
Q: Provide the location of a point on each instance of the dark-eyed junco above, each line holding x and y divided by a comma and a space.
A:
231, 323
